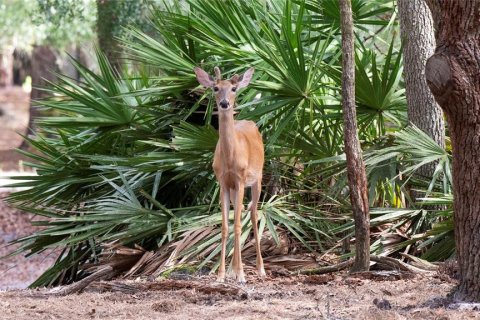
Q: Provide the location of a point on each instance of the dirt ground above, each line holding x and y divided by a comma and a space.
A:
18, 272
300, 297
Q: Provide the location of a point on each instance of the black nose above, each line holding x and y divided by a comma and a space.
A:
224, 104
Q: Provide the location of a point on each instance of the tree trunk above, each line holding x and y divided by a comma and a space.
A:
107, 20
43, 68
357, 178
452, 74
418, 40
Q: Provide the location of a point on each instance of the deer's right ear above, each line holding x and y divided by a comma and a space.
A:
203, 77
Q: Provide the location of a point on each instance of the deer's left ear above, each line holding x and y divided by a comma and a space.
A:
245, 78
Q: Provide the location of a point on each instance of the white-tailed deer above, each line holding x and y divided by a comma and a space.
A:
238, 163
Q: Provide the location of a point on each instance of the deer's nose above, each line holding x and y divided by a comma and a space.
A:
224, 104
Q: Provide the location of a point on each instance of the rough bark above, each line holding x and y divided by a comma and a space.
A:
357, 178
416, 27
453, 75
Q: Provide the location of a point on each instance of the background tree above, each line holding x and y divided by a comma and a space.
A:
58, 24
452, 75
418, 41
15, 29
112, 17
357, 179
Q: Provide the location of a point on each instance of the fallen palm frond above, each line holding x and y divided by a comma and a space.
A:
132, 263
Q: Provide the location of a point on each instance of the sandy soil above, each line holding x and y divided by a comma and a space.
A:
18, 272
283, 298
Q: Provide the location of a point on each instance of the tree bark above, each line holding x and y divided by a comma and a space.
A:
452, 74
107, 21
416, 27
357, 178
43, 68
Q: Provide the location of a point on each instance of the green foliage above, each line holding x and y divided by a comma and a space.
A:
391, 170
60, 23
128, 157
65, 21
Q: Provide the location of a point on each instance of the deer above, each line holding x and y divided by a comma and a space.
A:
237, 164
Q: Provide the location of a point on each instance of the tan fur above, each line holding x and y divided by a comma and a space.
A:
238, 163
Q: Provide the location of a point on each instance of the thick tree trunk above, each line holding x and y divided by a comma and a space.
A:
452, 74
418, 40
357, 178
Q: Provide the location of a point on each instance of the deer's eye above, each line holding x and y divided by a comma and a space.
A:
215, 89
234, 89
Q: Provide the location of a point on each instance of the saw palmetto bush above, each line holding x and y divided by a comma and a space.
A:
126, 162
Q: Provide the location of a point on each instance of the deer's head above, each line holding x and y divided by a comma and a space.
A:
225, 90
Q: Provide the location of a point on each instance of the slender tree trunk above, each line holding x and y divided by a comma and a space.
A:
452, 74
416, 26
355, 167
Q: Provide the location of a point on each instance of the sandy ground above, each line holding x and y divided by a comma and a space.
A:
341, 297
18, 272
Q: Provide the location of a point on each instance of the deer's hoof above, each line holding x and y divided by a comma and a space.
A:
241, 279
221, 277
261, 273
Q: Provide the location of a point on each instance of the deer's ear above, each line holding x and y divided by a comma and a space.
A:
245, 78
203, 77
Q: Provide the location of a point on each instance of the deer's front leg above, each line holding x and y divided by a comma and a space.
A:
253, 212
237, 251
225, 204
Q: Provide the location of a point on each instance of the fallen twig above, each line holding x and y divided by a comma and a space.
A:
397, 264
420, 263
385, 261
328, 269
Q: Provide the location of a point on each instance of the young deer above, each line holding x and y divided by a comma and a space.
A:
238, 163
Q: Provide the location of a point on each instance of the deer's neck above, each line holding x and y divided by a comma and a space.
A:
226, 131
